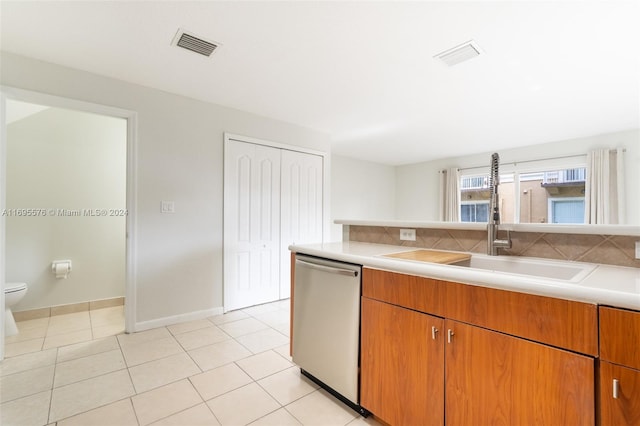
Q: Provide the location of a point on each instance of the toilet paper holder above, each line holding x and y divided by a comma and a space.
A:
61, 268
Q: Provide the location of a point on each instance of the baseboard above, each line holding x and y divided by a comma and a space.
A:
67, 309
176, 319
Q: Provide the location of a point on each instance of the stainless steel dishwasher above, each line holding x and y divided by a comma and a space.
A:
326, 325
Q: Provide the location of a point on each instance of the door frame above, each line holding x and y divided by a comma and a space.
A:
7, 92
228, 137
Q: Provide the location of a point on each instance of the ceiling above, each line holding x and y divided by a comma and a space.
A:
364, 72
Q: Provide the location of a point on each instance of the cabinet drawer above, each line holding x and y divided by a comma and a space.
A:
562, 323
409, 291
620, 336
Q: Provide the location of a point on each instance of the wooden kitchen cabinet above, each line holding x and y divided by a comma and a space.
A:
493, 378
402, 364
619, 362
292, 283
487, 364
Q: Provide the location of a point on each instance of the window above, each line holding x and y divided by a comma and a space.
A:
474, 198
474, 211
564, 176
474, 182
475, 195
566, 210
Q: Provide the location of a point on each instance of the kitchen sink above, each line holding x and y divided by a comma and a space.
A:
550, 269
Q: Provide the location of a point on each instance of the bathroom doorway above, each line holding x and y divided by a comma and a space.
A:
66, 195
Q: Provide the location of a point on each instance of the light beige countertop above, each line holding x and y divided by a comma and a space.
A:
603, 284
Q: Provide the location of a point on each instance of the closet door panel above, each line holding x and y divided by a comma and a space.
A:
251, 224
301, 206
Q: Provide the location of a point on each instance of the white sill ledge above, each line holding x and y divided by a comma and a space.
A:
630, 230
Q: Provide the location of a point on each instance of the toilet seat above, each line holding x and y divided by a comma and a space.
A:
14, 287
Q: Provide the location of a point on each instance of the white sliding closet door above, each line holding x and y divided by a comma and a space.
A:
251, 224
301, 207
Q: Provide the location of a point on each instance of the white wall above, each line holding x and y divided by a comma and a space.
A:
62, 159
180, 158
360, 190
417, 184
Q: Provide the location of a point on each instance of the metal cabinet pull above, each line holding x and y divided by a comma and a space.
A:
434, 330
616, 388
450, 334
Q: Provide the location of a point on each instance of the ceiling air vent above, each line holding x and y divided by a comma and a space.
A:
460, 53
195, 44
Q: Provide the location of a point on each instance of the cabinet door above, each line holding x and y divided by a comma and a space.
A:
493, 378
402, 367
623, 407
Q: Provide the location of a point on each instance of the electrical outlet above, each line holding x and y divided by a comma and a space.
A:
637, 249
408, 234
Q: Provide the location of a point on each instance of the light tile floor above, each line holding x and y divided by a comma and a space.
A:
63, 330
232, 369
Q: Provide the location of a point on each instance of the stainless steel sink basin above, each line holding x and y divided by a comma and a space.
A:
550, 269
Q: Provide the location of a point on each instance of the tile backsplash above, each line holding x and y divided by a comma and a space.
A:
606, 249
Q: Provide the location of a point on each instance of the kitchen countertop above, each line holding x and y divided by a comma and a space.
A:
606, 285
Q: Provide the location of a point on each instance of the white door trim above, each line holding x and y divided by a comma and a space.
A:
7, 92
240, 138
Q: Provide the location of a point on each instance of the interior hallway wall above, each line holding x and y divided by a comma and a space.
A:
361, 190
178, 267
70, 164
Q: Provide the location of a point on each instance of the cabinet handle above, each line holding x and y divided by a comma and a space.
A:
450, 334
434, 330
616, 388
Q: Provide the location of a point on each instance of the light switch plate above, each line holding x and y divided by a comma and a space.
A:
168, 207
637, 249
408, 234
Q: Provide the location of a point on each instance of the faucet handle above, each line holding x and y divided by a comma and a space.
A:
508, 241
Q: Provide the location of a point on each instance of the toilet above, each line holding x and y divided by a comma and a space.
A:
13, 293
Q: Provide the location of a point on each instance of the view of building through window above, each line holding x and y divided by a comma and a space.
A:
551, 196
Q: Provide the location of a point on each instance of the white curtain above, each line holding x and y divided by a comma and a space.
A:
604, 188
450, 195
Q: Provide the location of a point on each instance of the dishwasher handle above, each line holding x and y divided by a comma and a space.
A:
330, 269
